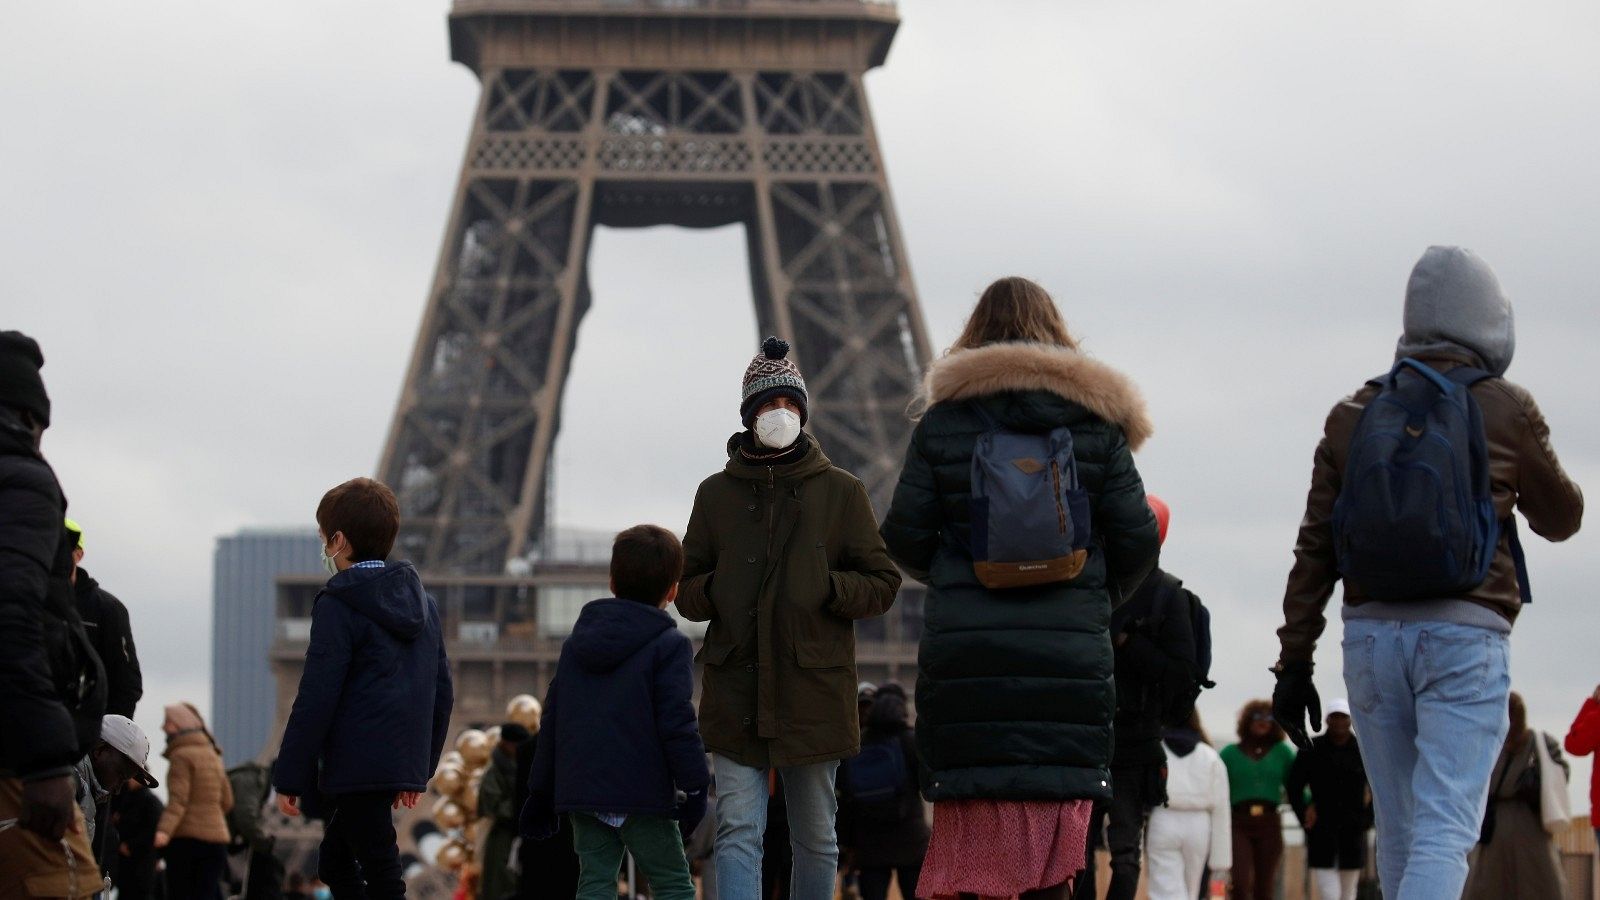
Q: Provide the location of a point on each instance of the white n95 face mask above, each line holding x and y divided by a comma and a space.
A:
777, 428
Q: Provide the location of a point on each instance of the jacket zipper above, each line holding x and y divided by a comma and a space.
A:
772, 511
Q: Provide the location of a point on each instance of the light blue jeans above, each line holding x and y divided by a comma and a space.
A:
742, 820
1429, 705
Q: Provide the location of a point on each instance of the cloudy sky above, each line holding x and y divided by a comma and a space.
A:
221, 220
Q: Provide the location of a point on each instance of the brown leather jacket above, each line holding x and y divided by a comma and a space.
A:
1524, 472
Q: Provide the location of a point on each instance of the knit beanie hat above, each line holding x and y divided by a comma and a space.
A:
20, 383
769, 376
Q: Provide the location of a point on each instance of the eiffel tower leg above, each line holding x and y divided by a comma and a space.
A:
527, 527
480, 409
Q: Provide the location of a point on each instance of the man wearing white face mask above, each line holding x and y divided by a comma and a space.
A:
782, 554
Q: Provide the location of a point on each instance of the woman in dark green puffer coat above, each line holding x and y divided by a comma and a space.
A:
1014, 697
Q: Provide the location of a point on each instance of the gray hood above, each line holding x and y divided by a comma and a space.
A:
1454, 302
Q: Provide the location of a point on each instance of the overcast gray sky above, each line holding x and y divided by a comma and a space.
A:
221, 221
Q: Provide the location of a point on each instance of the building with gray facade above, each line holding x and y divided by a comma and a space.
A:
245, 571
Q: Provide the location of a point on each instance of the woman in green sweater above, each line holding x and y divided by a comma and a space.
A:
1258, 765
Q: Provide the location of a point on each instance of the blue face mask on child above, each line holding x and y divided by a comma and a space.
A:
323, 892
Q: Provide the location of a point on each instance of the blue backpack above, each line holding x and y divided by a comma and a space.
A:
1030, 514
877, 778
1415, 518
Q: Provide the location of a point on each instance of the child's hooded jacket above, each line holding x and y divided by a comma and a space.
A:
375, 698
618, 733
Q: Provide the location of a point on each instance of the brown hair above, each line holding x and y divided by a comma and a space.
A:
1249, 712
1014, 309
368, 514
646, 561
1198, 728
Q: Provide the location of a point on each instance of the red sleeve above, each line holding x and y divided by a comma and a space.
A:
1584, 737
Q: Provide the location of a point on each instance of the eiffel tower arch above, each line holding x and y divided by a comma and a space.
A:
630, 113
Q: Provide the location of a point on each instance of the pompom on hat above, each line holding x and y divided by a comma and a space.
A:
772, 374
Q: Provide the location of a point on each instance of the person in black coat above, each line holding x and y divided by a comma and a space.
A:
370, 719
106, 620
135, 813
1033, 755
618, 742
43, 730
1154, 661
884, 836
549, 867
1338, 812
1154, 666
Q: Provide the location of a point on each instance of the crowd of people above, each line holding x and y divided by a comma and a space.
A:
78, 811
1057, 675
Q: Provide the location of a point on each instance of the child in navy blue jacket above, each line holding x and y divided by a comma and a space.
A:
619, 750
373, 709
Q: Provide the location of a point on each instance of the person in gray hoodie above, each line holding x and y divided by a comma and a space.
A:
1427, 674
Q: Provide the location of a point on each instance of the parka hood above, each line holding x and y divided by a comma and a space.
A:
1023, 366
391, 596
813, 462
609, 631
1454, 303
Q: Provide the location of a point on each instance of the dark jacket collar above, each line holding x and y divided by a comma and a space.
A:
810, 464
83, 583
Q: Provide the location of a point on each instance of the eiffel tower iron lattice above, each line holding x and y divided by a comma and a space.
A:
631, 113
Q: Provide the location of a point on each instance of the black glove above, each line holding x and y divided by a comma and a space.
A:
691, 809
539, 821
1293, 698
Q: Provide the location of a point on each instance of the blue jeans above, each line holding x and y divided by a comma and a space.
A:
1429, 704
742, 820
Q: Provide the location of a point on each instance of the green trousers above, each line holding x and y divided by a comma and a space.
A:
657, 849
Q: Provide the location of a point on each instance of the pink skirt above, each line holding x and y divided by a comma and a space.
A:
1001, 848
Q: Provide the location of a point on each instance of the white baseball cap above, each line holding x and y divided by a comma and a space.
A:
129, 739
1338, 706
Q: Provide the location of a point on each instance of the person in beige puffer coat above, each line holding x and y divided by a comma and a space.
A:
193, 832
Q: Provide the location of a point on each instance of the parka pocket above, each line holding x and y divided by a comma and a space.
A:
823, 654
822, 573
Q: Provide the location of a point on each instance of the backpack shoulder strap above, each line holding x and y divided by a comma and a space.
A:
1467, 376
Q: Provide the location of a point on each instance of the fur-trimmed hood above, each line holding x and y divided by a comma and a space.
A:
1020, 366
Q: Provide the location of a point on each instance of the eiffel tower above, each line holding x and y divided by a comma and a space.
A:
632, 113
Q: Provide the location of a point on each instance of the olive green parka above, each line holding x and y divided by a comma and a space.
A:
781, 561
1014, 688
